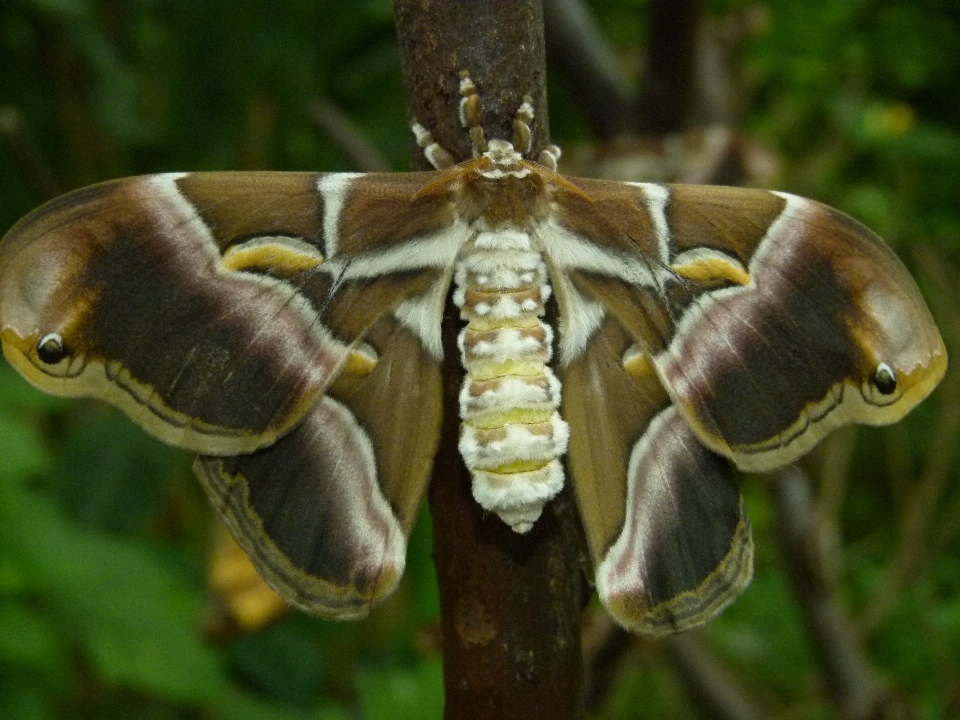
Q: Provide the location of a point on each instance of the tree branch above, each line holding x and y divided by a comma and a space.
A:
510, 604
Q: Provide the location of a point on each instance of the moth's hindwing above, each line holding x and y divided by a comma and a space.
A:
667, 530
771, 319
325, 512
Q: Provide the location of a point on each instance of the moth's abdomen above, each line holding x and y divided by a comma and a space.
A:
512, 435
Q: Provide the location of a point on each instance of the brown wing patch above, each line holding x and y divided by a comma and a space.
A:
237, 206
608, 410
730, 219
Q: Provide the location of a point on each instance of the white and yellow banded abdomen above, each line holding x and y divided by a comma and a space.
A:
512, 436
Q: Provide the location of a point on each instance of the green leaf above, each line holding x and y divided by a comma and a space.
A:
29, 640
135, 617
20, 701
110, 473
237, 706
17, 392
21, 451
400, 693
281, 661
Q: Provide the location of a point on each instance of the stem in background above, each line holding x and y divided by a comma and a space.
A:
851, 684
587, 67
921, 529
510, 604
669, 85
713, 689
338, 126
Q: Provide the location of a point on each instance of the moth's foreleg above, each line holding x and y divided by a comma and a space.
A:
470, 113
436, 154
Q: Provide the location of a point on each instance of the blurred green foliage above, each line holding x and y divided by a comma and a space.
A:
104, 533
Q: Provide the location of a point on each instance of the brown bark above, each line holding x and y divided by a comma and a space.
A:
499, 43
510, 604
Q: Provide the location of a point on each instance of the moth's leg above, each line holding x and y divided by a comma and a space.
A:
521, 126
470, 113
435, 153
522, 140
549, 156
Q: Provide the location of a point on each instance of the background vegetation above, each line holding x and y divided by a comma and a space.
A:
106, 609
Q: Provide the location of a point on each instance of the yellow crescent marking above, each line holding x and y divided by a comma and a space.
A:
360, 362
638, 364
709, 269
270, 255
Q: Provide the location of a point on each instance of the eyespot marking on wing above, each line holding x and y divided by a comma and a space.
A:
51, 349
884, 386
885, 379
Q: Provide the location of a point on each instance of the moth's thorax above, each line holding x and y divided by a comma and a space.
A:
512, 435
504, 195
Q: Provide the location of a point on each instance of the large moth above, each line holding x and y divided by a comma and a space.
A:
636, 340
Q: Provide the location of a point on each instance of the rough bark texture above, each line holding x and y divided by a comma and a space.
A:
499, 43
510, 603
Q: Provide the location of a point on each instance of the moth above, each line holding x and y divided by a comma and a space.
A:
636, 340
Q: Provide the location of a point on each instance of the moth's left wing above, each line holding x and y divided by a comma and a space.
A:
286, 325
770, 319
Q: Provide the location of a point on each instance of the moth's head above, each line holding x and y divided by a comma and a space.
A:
41, 298
502, 154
